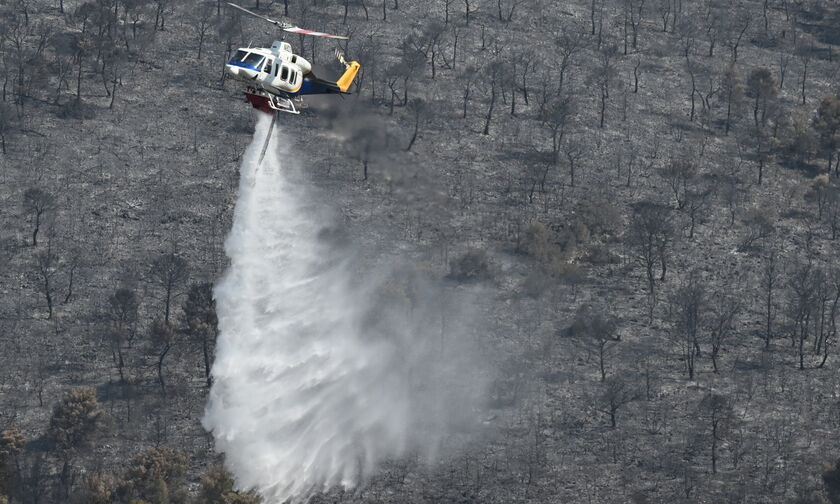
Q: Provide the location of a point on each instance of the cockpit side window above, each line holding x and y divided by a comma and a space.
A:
284, 74
267, 67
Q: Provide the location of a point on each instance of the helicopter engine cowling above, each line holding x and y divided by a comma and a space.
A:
300, 62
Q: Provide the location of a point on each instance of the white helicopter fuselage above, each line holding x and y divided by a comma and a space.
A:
276, 77
276, 69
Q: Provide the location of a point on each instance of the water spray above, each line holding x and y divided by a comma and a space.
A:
321, 373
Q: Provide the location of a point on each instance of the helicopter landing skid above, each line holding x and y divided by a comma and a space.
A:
282, 104
270, 103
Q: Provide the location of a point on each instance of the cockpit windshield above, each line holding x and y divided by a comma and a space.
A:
254, 60
247, 59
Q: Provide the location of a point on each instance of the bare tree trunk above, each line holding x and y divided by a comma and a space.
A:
168, 303
636, 75
414, 135
603, 105
601, 350
37, 227
492, 104
205, 348
804, 77
79, 81
160, 369
466, 99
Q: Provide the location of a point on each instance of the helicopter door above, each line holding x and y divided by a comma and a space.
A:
270, 70
268, 64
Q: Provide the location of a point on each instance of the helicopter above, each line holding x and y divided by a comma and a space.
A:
275, 77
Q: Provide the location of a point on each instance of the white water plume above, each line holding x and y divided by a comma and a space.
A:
321, 372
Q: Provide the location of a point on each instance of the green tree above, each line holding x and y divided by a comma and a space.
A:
831, 481
827, 126
161, 338
724, 312
123, 307
649, 237
617, 393
717, 411
12, 442
154, 476
801, 141
597, 330
680, 175
556, 116
98, 488
84, 46
122, 310
418, 108
765, 148
687, 311
200, 321
38, 203
537, 241
75, 422
472, 265
217, 488
169, 272
761, 87
7, 118
732, 92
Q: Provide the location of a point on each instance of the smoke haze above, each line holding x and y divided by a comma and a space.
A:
324, 370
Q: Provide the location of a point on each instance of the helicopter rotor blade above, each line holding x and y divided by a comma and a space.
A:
295, 29
243, 9
287, 26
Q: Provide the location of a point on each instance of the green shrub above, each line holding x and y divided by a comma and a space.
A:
98, 488
155, 476
600, 217
473, 265
537, 241
76, 421
536, 283
217, 488
568, 238
600, 255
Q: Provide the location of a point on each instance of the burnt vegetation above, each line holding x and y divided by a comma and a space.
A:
643, 194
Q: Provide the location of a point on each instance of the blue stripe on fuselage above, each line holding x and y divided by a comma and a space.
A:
310, 87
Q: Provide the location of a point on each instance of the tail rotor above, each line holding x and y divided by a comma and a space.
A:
340, 57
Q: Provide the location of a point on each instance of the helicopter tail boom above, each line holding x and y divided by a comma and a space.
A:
349, 75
